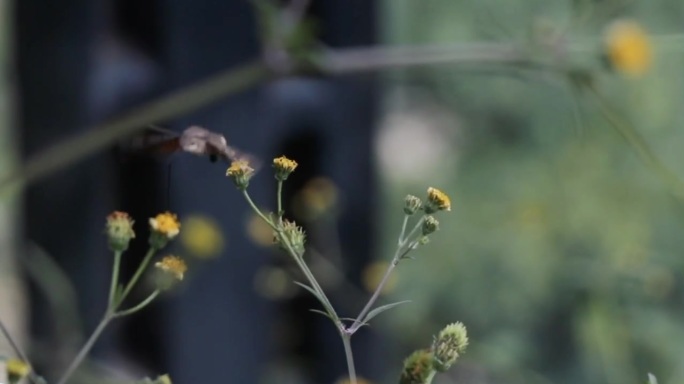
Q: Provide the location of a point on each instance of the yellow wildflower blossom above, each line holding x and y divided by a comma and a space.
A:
173, 265
166, 224
437, 201
283, 167
628, 47
17, 369
202, 236
240, 171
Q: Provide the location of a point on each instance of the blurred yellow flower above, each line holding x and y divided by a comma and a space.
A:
259, 231
173, 265
166, 224
202, 237
628, 47
437, 201
372, 275
318, 197
17, 369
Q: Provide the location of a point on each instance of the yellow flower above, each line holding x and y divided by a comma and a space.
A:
372, 275
202, 236
166, 224
240, 171
173, 265
437, 201
17, 369
283, 167
317, 198
628, 47
119, 230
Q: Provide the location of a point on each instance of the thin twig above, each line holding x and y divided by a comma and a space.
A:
244, 77
99, 137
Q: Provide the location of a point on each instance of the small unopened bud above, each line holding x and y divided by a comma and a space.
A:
412, 204
449, 344
430, 225
119, 230
437, 201
294, 235
283, 167
417, 368
17, 370
241, 173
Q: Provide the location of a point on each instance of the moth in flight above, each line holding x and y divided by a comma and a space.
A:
195, 140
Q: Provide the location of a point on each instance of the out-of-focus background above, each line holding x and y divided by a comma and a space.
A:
562, 253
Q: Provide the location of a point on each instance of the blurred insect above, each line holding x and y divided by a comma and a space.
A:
160, 142
195, 140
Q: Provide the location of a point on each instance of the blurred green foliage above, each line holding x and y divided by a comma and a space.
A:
564, 253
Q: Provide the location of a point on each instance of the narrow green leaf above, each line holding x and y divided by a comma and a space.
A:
326, 314
312, 291
382, 309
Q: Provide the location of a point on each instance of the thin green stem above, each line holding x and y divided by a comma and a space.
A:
138, 307
257, 210
358, 323
280, 200
430, 377
410, 235
298, 259
86, 347
399, 254
311, 278
639, 144
346, 341
403, 230
136, 277
115, 277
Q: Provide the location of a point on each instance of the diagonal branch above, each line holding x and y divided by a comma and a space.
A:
187, 100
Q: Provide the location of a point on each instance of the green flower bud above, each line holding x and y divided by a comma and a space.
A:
449, 344
417, 368
119, 230
430, 225
295, 235
412, 204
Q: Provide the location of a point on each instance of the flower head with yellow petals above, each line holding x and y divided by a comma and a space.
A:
17, 370
166, 224
437, 201
173, 265
240, 171
628, 47
283, 167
